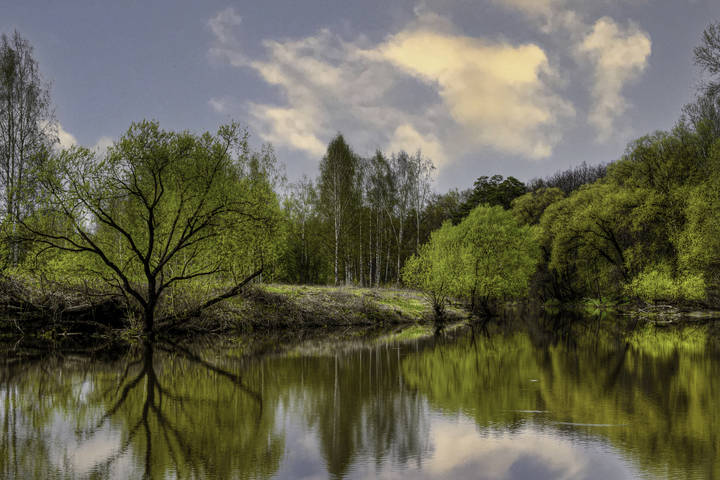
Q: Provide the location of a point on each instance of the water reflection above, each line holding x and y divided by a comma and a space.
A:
163, 410
556, 397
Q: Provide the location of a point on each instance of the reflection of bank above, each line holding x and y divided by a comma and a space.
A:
646, 392
163, 411
506, 397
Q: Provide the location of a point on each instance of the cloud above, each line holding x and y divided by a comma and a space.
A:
103, 144
618, 56
498, 92
65, 138
289, 127
531, 7
223, 25
424, 87
554, 15
408, 139
218, 105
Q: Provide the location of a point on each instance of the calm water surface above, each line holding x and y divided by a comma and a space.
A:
519, 399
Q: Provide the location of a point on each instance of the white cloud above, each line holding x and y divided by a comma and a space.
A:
499, 93
408, 139
103, 144
218, 105
224, 23
290, 127
618, 56
445, 93
65, 138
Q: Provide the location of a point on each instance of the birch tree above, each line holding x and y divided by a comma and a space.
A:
337, 178
27, 133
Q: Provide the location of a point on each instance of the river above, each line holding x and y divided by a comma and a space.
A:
560, 396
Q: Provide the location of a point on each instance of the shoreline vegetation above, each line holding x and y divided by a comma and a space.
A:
261, 308
174, 232
271, 309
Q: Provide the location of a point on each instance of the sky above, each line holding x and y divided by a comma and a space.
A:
481, 87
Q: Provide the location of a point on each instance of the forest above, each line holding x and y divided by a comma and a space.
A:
165, 225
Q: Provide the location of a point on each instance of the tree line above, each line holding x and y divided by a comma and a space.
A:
359, 220
643, 227
175, 222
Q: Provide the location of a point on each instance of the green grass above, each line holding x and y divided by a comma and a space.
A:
405, 302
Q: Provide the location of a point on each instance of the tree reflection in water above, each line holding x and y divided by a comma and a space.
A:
163, 411
463, 401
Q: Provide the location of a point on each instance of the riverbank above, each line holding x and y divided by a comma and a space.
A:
55, 311
276, 306
64, 310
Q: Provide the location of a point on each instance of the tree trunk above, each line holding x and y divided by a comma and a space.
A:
387, 262
378, 255
399, 246
360, 265
149, 319
417, 229
337, 248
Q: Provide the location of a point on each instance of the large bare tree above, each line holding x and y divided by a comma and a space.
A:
160, 209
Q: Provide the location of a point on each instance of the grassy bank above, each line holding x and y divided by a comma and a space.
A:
274, 306
60, 309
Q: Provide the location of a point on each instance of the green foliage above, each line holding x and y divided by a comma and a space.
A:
588, 236
160, 211
528, 208
658, 283
699, 241
498, 256
492, 191
28, 132
486, 258
434, 269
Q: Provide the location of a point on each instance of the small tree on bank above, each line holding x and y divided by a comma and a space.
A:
161, 209
488, 257
498, 257
434, 269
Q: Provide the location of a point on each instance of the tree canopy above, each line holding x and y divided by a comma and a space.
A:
158, 210
488, 257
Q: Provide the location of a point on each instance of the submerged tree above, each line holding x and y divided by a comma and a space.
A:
27, 132
161, 209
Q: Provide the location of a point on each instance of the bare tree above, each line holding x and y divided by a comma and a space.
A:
403, 176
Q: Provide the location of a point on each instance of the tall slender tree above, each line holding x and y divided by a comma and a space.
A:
421, 189
337, 185
27, 133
